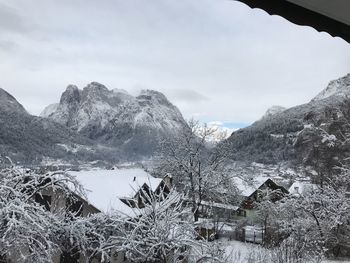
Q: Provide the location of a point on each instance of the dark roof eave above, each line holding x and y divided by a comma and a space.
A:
302, 16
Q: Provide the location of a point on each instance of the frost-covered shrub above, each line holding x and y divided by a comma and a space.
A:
28, 230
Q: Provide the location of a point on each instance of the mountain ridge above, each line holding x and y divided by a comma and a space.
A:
96, 123
272, 139
134, 124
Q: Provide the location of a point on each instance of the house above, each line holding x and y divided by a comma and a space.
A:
302, 187
146, 192
239, 221
121, 190
217, 210
214, 219
254, 190
108, 191
249, 227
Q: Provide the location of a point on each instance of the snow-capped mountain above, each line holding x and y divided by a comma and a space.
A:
95, 105
135, 124
336, 88
87, 125
95, 123
285, 135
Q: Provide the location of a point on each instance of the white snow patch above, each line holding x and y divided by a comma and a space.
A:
276, 135
105, 187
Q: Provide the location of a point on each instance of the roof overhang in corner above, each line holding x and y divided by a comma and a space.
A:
331, 16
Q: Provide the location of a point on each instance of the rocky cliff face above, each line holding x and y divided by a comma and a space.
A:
286, 135
135, 125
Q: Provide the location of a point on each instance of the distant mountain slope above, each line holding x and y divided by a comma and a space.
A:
134, 125
27, 138
9, 104
277, 137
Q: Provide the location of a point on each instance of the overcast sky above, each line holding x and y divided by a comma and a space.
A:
217, 60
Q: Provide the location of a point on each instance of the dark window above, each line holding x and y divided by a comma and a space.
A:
242, 212
44, 200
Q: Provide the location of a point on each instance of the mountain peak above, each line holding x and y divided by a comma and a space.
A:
273, 111
4, 95
117, 118
72, 94
153, 95
9, 103
339, 87
96, 86
71, 88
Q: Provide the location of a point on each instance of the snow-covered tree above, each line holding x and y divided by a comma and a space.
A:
315, 220
159, 232
200, 171
28, 230
33, 232
319, 216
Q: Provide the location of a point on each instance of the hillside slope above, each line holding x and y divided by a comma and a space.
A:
286, 135
27, 138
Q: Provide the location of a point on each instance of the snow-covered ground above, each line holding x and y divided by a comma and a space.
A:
336, 261
240, 252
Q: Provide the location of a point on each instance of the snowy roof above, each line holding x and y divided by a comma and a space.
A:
301, 188
248, 186
105, 187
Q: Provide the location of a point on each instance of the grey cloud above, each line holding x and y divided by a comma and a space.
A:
186, 95
11, 21
7, 45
